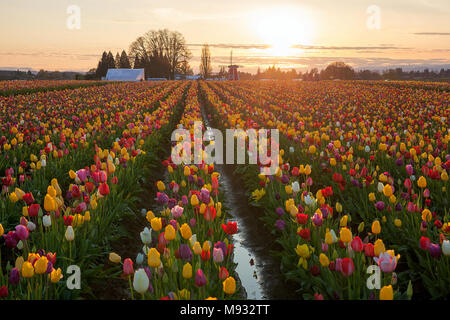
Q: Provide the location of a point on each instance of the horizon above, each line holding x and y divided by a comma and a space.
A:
292, 35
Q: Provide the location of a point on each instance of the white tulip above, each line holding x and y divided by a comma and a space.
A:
140, 258
295, 186
19, 245
446, 247
141, 281
47, 221
380, 187
70, 234
146, 236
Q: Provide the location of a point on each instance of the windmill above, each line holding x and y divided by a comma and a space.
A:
232, 69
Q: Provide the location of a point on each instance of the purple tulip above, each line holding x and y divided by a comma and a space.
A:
200, 279
279, 211
434, 250
14, 276
280, 224
409, 170
380, 205
21, 232
185, 252
184, 200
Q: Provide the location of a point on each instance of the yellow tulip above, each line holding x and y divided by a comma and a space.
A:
378, 247
154, 258
2, 231
49, 203
398, 223
13, 197
186, 231
169, 232
422, 182
324, 261
156, 224
376, 227
387, 190
41, 265
114, 257
345, 235
187, 271
197, 248
56, 275
229, 285
387, 293
27, 270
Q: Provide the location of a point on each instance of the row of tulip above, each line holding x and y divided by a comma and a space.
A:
187, 251
332, 153
10, 88
59, 228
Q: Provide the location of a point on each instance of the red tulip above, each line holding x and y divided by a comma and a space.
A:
230, 228
33, 210
357, 244
104, 189
347, 266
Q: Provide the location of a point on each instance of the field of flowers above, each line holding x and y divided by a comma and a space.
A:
362, 182
13, 87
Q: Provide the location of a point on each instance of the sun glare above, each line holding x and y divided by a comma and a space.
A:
282, 29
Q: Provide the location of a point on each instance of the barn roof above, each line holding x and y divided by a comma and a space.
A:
125, 74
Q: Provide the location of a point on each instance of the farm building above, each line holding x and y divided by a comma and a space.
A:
125, 75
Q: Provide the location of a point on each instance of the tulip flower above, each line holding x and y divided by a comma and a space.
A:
200, 279
70, 234
141, 281
446, 247
347, 266
156, 224
127, 266
345, 235
387, 293
187, 271
14, 276
230, 228
229, 285
27, 270
153, 258
146, 236
386, 262
376, 227
47, 221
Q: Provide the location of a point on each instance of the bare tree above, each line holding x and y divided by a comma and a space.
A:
167, 46
205, 62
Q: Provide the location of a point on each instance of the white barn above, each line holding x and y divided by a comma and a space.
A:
125, 75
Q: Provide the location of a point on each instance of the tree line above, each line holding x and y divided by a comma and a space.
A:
161, 53
342, 71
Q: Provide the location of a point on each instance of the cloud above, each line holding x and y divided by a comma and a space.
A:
432, 33
300, 46
232, 46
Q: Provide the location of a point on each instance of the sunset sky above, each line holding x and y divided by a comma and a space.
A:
291, 34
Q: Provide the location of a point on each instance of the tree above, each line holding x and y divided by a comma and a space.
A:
124, 62
102, 66
110, 62
205, 62
186, 69
117, 61
161, 50
337, 70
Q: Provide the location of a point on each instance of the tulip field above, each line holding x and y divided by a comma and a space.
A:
358, 207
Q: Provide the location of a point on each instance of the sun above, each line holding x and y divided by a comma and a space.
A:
282, 28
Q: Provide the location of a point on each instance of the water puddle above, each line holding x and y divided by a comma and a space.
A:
258, 270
